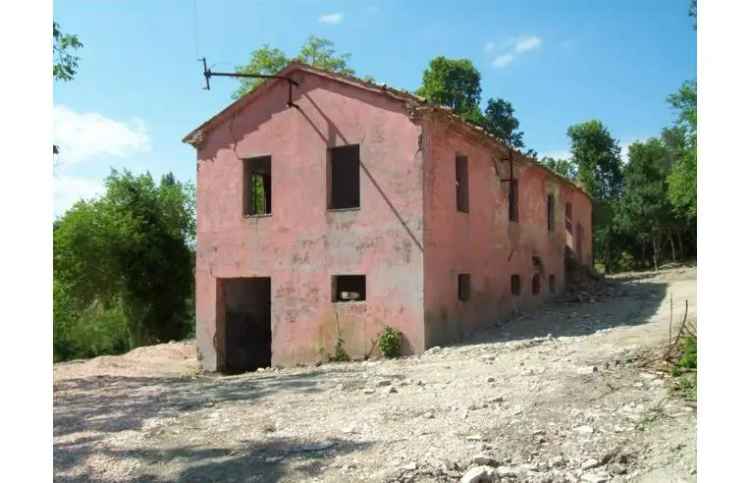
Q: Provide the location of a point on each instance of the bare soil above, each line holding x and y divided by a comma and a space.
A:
570, 392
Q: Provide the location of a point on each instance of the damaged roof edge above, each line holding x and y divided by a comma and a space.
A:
197, 135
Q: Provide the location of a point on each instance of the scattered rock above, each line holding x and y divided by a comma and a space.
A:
369, 390
484, 460
589, 463
506, 472
595, 477
383, 382
490, 379
475, 437
584, 429
479, 474
429, 415
390, 390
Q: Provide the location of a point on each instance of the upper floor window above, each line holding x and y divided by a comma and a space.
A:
569, 216
343, 177
462, 184
256, 184
513, 201
550, 212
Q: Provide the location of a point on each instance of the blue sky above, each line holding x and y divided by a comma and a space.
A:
139, 87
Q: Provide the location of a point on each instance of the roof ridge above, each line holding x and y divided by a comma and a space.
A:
196, 135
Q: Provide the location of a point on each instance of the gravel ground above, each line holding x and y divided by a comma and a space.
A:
571, 392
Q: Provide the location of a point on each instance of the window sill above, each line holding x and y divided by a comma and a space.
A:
263, 215
337, 210
346, 302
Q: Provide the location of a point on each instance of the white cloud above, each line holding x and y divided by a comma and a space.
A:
69, 189
502, 60
512, 49
526, 43
331, 18
83, 136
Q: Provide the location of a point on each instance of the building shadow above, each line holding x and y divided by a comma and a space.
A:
628, 301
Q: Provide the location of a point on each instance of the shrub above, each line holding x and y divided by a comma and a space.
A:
389, 342
689, 358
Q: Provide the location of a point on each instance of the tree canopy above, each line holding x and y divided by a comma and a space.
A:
453, 83
124, 260
64, 62
267, 60
500, 122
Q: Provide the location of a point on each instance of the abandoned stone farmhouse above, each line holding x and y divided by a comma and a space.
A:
331, 208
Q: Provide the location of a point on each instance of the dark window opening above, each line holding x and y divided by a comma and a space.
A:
550, 213
535, 284
552, 283
257, 186
515, 284
243, 327
462, 184
464, 286
513, 201
568, 216
343, 177
349, 288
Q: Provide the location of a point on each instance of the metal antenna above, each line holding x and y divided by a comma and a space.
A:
208, 73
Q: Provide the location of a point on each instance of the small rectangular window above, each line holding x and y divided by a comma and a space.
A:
464, 286
256, 191
568, 216
515, 284
513, 201
343, 177
550, 213
462, 184
536, 284
349, 288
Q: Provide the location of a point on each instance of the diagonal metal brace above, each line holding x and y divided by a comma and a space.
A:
208, 73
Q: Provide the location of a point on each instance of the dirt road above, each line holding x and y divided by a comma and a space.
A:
562, 394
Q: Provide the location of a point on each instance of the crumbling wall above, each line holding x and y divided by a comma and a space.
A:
484, 242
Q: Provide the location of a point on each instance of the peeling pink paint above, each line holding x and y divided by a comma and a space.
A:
406, 237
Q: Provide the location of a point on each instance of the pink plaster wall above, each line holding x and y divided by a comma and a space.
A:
302, 244
483, 242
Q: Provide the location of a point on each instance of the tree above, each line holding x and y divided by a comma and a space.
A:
453, 83
596, 157
126, 260
563, 167
683, 180
64, 62
316, 51
644, 208
693, 12
500, 122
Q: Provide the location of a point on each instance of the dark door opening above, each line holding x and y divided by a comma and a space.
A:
247, 324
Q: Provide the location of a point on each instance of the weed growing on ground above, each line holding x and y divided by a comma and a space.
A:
340, 354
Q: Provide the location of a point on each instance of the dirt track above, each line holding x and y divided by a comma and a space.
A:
562, 394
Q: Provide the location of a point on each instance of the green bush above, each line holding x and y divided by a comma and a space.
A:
689, 358
389, 342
